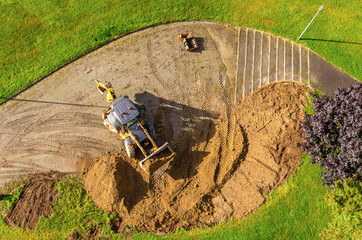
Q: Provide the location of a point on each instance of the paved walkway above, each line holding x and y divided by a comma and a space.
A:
264, 58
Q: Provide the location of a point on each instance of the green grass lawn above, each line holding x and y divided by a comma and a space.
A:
39, 36
297, 210
73, 212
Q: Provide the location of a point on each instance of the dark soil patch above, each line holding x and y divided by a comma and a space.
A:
94, 233
36, 200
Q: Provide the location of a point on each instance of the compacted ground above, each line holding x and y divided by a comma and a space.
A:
226, 158
57, 123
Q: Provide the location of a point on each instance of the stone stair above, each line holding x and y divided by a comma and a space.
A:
264, 58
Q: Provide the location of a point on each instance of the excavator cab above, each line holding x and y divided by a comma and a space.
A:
126, 119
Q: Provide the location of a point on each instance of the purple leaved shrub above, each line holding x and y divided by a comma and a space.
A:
332, 135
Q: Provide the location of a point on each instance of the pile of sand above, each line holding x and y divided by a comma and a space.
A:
116, 184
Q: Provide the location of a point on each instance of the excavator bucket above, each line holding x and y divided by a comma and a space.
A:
101, 89
160, 149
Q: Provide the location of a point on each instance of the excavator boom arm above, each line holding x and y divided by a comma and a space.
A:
106, 87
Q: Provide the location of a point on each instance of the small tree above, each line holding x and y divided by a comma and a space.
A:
333, 133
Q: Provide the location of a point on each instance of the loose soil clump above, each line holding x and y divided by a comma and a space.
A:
221, 169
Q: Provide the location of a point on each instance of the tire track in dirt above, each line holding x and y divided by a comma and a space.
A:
206, 121
56, 138
24, 129
161, 119
270, 157
186, 86
163, 126
59, 121
75, 119
179, 89
183, 66
201, 99
163, 66
227, 135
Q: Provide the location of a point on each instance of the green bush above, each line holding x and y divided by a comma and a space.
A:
346, 202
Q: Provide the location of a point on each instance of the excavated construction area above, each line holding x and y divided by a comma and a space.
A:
222, 167
227, 156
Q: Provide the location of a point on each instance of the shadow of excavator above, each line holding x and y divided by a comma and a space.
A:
183, 127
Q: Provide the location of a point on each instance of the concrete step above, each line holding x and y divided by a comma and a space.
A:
264, 73
264, 58
272, 59
240, 64
296, 65
249, 64
288, 61
305, 65
257, 60
280, 58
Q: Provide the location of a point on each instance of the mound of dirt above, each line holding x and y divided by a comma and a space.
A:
222, 169
119, 180
271, 119
36, 200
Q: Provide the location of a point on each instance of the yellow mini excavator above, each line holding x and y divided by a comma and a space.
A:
126, 119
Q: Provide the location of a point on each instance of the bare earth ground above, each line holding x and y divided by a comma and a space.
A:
218, 172
227, 156
57, 123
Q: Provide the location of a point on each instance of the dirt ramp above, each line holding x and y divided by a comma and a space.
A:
271, 119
